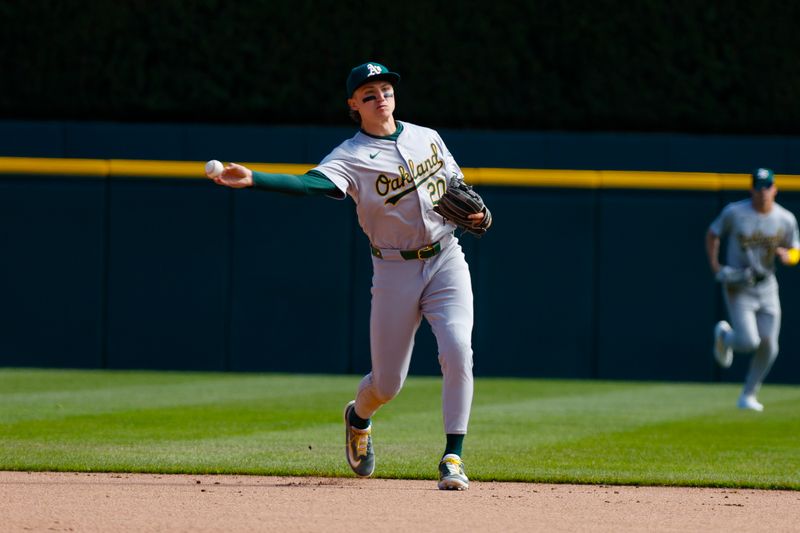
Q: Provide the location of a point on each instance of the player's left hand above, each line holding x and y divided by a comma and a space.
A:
477, 218
464, 207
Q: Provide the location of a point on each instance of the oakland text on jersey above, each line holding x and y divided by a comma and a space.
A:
760, 240
418, 175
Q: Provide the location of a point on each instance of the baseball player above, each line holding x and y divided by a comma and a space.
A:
396, 172
756, 230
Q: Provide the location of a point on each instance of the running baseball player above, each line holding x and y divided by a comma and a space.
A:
397, 173
756, 230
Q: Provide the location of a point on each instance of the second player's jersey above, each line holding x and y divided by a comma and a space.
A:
752, 237
395, 182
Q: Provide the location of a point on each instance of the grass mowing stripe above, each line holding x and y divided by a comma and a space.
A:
673, 434
103, 398
13, 380
526, 430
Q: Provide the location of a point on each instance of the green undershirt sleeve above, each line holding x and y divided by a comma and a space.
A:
309, 184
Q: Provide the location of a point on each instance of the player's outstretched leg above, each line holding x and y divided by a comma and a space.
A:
358, 445
723, 353
451, 473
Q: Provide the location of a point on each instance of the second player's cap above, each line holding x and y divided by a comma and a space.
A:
763, 178
369, 72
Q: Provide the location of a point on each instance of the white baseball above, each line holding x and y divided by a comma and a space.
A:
213, 168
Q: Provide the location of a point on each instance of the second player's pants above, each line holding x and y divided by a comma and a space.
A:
403, 292
755, 314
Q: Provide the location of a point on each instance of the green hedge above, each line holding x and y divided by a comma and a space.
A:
675, 65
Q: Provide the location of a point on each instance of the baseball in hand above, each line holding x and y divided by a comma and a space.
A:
213, 168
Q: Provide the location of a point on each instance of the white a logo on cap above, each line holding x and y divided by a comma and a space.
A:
373, 69
763, 173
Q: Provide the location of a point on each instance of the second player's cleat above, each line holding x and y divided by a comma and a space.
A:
748, 401
358, 443
451, 473
722, 352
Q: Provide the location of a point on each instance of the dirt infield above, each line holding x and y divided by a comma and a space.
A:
36, 501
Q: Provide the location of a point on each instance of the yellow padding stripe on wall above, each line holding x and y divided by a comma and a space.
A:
189, 169
142, 168
48, 166
582, 179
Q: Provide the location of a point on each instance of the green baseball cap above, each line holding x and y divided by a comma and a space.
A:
369, 72
763, 178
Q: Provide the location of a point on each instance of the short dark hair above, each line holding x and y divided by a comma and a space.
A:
356, 116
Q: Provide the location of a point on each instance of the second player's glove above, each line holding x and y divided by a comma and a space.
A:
735, 276
458, 202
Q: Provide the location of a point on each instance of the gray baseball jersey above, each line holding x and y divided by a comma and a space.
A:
752, 237
395, 184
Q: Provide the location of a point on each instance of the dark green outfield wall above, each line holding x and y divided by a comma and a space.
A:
181, 274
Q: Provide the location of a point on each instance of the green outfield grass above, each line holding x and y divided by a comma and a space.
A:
521, 430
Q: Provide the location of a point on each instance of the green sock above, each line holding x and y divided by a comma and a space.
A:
356, 421
454, 444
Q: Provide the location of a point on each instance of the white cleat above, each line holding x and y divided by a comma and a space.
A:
722, 352
451, 473
748, 401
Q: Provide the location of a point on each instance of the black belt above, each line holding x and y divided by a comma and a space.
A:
423, 253
760, 278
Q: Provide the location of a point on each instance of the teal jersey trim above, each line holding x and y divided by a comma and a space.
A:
392, 137
325, 186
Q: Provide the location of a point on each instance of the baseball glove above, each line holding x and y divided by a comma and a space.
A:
458, 202
736, 276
